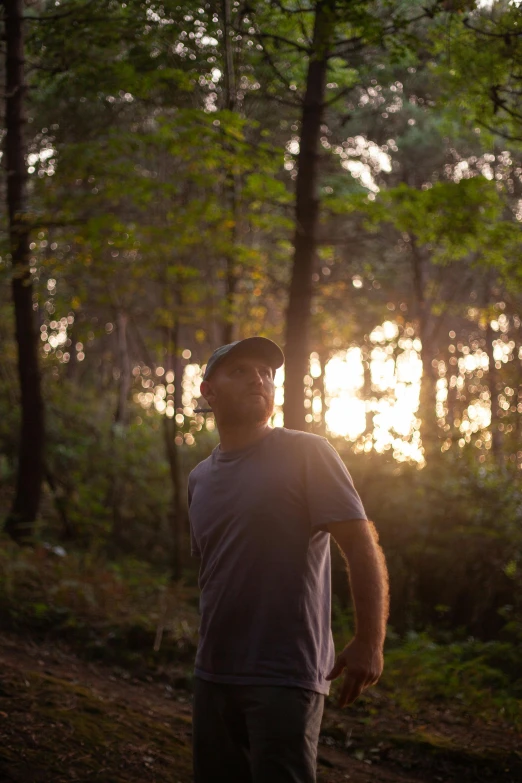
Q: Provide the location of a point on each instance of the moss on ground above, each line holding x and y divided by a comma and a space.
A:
425, 754
423, 750
55, 731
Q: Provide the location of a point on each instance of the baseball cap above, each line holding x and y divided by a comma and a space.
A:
250, 346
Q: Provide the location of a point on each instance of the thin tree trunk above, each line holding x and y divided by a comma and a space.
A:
177, 515
73, 365
450, 400
428, 397
232, 189
320, 426
518, 398
177, 508
494, 381
121, 420
228, 58
306, 220
428, 391
20, 522
60, 502
231, 183
122, 410
494, 384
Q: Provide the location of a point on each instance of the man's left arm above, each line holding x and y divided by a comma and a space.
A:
362, 658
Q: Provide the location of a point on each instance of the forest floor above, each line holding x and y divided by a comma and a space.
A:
65, 719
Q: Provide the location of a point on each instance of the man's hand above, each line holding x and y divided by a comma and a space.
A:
362, 664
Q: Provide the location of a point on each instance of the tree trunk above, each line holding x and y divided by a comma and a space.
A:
177, 507
494, 380
518, 400
319, 427
494, 383
177, 512
68, 532
306, 220
19, 524
232, 189
451, 401
122, 409
428, 390
231, 183
119, 427
73, 365
228, 58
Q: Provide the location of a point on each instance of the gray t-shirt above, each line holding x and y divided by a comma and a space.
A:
257, 519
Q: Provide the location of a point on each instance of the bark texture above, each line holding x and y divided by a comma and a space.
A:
306, 220
232, 187
494, 379
178, 511
20, 522
429, 351
124, 382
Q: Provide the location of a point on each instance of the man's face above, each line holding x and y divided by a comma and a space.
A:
241, 391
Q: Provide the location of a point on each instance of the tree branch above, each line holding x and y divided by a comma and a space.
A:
498, 132
341, 94
507, 33
292, 44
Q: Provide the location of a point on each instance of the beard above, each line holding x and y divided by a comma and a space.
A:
247, 412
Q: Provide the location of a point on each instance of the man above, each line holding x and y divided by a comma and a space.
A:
261, 509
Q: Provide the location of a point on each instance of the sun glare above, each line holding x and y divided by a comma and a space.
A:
390, 413
368, 396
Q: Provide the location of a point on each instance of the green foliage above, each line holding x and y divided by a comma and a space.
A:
452, 218
478, 56
84, 455
469, 676
476, 677
105, 610
448, 532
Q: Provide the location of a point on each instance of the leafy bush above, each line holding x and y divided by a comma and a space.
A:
452, 536
105, 609
482, 677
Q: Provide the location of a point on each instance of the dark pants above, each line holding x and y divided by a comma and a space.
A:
255, 733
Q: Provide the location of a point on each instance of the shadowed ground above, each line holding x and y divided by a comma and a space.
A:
64, 719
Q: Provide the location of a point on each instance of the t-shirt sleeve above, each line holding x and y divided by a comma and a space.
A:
330, 491
194, 548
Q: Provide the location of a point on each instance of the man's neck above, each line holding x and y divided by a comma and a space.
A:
235, 438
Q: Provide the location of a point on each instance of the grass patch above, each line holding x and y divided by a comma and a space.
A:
105, 610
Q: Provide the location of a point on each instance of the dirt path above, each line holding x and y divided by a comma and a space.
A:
63, 719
